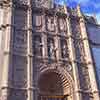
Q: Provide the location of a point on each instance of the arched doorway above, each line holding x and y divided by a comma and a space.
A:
54, 86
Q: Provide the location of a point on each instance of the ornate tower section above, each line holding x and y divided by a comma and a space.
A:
14, 50
52, 67
88, 69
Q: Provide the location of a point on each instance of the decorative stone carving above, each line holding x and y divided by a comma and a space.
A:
42, 3
84, 77
79, 48
24, 2
75, 29
61, 9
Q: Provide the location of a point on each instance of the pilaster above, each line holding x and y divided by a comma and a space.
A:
7, 50
72, 58
88, 56
29, 53
1, 36
1, 23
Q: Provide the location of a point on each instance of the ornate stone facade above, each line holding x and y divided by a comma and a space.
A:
44, 52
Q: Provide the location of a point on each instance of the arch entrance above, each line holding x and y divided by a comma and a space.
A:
54, 86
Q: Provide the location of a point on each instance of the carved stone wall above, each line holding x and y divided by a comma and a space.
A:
47, 65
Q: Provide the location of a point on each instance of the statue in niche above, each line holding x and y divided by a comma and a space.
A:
64, 50
51, 49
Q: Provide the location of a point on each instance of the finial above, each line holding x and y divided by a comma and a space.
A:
79, 10
65, 8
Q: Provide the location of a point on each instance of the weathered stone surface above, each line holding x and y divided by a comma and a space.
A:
45, 53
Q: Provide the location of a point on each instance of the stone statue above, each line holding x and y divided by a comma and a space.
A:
64, 51
51, 49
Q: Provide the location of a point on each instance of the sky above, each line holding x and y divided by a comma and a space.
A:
89, 7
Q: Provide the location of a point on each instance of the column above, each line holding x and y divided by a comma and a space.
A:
1, 36
7, 51
1, 23
72, 57
29, 52
88, 56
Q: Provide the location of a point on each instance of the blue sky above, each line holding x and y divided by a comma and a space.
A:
88, 6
